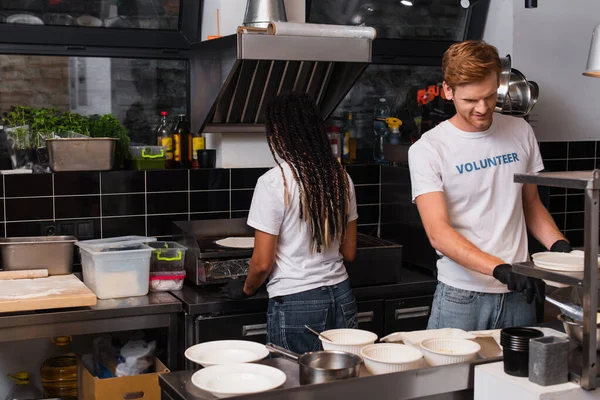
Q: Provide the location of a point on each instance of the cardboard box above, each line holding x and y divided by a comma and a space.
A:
138, 387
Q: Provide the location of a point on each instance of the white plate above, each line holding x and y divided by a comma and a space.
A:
226, 352
237, 242
88, 20
24, 19
415, 338
572, 261
238, 379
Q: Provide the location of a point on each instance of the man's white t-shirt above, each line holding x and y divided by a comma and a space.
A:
297, 268
475, 171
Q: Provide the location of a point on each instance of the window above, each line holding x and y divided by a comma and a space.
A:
133, 90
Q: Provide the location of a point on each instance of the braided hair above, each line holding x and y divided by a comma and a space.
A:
296, 133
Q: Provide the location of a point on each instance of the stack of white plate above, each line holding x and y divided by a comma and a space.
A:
564, 262
228, 370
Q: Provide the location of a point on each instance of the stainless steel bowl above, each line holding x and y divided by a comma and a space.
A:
503, 79
574, 329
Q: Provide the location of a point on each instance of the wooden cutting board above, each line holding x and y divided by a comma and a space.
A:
58, 291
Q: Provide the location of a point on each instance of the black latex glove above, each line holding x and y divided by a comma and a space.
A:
234, 290
532, 288
561, 246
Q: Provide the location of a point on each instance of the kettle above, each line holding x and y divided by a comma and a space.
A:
260, 12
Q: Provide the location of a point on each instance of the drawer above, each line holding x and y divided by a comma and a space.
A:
232, 327
409, 314
371, 316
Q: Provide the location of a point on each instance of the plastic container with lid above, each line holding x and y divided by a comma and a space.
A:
166, 281
147, 157
116, 267
167, 256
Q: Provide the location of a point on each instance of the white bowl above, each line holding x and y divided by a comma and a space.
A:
383, 358
226, 352
449, 351
238, 379
349, 340
88, 20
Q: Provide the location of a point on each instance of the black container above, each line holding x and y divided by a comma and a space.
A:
515, 345
207, 158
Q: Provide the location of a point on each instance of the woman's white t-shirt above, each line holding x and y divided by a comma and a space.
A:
297, 268
475, 171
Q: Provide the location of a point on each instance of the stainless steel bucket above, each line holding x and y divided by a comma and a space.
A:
322, 366
260, 12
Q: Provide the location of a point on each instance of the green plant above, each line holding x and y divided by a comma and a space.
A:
109, 126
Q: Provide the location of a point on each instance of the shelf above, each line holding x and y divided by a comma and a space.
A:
572, 179
567, 278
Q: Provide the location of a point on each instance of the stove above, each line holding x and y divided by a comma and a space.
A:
377, 261
206, 262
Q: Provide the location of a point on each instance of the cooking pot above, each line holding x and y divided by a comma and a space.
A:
574, 329
321, 366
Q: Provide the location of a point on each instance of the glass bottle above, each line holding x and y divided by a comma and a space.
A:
181, 143
164, 138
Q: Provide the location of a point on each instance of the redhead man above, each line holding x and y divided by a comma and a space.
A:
474, 214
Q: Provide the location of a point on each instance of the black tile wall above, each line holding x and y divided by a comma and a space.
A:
567, 205
166, 181
77, 206
66, 183
123, 226
161, 225
28, 185
209, 179
165, 203
241, 199
123, 182
367, 194
364, 174
245, 178
209, 201
93, 205
123, 204
29, 209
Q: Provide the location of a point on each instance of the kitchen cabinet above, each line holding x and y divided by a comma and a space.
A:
232, 327
99, 27
371, 316
408, 314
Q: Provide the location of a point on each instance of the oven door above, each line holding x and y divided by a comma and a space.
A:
232, 327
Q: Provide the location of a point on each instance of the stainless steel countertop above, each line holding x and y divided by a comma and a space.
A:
33, 324
456, 379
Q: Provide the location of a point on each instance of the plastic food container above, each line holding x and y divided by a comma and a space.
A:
166, 281
147, 157
167, 256
116, 267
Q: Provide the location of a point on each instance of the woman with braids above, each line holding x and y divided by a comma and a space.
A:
304, 214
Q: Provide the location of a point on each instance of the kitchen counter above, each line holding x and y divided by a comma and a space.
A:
451, 381
207, 299
156, 310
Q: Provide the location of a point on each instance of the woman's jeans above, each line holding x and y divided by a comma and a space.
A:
323, 308
474, 311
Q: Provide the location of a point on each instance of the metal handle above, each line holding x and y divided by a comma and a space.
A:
282, 351
254, 330
412, 312
365, 317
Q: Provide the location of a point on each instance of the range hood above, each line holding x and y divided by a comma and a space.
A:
233, 78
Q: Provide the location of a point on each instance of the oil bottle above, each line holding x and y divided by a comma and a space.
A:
59, 373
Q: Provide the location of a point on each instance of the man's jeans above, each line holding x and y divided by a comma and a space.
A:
323, 308
474, 311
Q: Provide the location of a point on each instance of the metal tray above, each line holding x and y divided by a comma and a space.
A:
81, 154
54, 253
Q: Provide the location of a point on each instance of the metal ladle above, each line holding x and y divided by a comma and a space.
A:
318, 334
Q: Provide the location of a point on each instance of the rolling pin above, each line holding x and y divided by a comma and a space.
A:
24, 274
